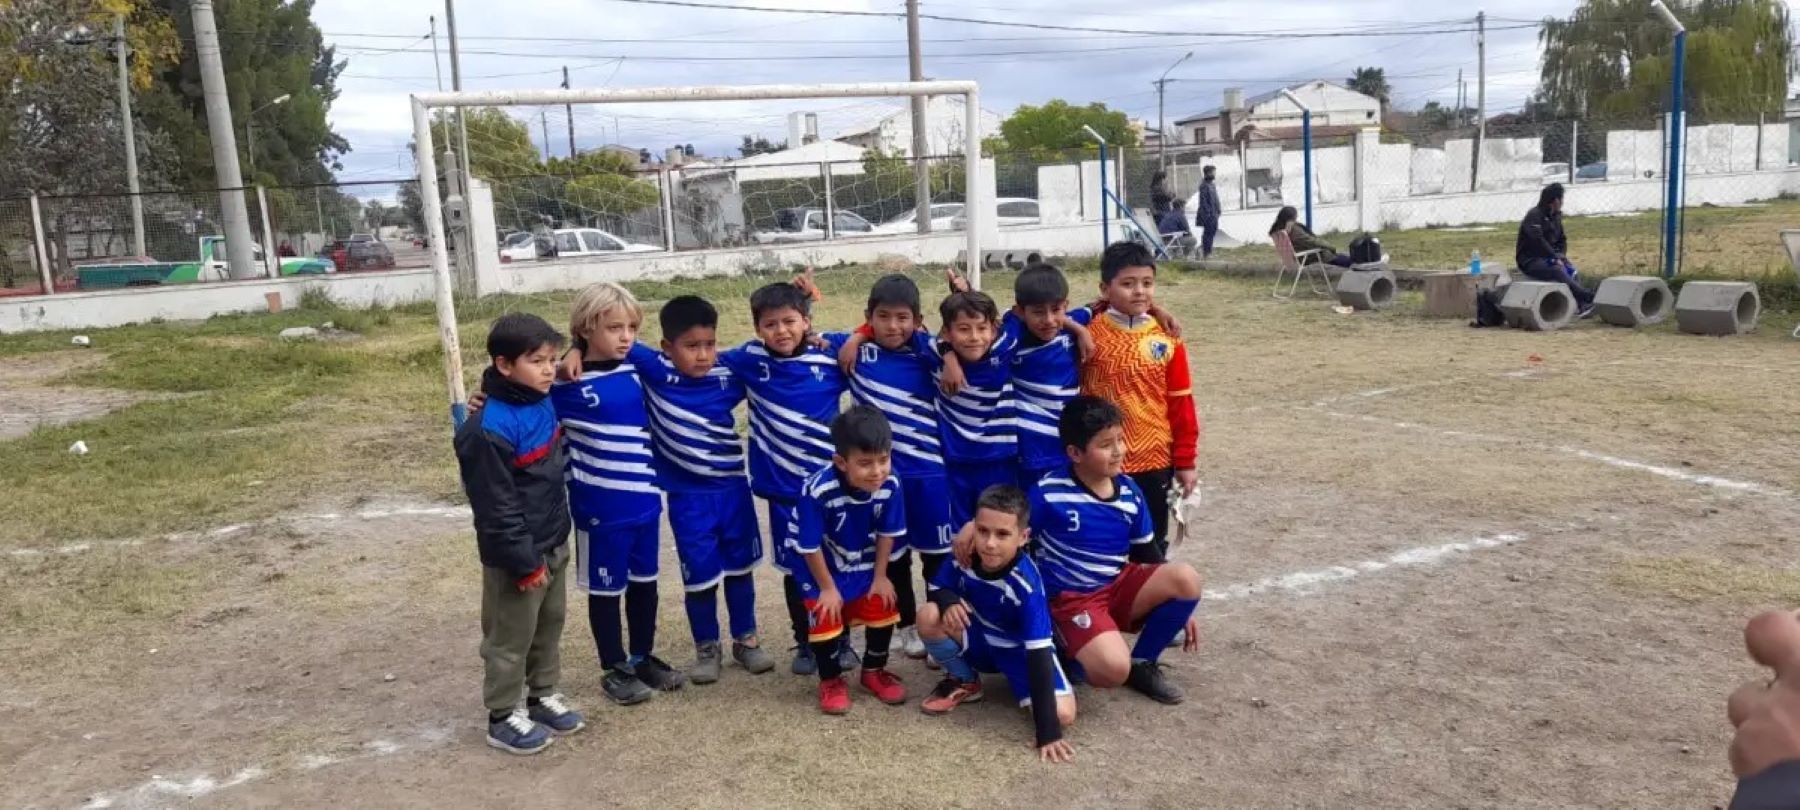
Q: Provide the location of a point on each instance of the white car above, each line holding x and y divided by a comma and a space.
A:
942, 217
1008, 211
808, 225
566, 243
521, 246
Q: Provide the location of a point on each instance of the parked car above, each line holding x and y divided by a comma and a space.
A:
578, 242
1591, 173
1008, 211
363, 237
523, 247
1555, 173
941, 216
808, 225
143, 271
349, 255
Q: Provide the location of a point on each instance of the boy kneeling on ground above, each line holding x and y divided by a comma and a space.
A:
992, 615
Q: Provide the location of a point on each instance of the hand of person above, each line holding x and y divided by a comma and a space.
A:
1767, 713
883, 589
1169, 323
962, 546
818, 341
1187, 480
534, 580
569, 370
951, 379
1191, 636
956, 619
476, 400
808, 285
1084, 346
955, 279
847, 356
1059, 752
829, 607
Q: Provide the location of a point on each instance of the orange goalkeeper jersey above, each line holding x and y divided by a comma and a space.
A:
1144, 371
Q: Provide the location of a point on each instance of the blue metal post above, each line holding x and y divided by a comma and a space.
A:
1672, 210
1105, 208
1306, 147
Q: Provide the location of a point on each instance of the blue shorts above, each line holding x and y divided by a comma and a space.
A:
969, 479
611, 558
782, 525
715, 535
1009, 662
928, 528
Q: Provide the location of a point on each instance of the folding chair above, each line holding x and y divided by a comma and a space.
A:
1790, 239
1299, 264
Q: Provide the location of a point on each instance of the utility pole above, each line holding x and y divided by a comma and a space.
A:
436, 66
1162, 129
240, 259
569, 110
131, 170
1462, 100
915, 60
462, 124
544, 122
1480, 97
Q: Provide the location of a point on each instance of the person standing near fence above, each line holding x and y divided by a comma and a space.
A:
1206, 212
1160, 198
1542, 252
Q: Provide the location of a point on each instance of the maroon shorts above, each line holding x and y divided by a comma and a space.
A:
1081, 617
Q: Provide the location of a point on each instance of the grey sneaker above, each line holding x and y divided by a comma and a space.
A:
657, 674
622, 686
706, 663
847, 658
803, 661
751, 656
909, 642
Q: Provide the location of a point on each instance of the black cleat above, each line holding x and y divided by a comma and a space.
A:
657, 674
1147, 678
623, 687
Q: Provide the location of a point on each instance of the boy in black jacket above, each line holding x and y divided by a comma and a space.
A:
511, 457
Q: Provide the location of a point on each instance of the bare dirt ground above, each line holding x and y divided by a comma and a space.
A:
30, 401
1441, 573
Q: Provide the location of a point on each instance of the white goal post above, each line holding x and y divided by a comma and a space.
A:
423, 103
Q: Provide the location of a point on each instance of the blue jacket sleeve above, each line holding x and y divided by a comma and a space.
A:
1776, 788
501, 530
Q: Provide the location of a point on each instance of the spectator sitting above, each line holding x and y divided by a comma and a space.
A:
1173, 222
1542, 251
1288, 221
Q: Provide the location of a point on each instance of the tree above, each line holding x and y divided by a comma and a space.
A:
1057, 127
760, 146
1615, 58
1371, 82
499, 145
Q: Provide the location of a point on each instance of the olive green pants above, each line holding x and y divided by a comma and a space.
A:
521, 634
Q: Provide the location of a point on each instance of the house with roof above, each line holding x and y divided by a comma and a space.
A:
891, 131
1336, 110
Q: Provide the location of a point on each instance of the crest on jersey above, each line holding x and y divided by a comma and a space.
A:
818, 374
1157, 349
1083, 620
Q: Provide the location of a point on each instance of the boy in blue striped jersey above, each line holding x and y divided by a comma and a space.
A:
794, 390
992, 614
612, 491
896, 372
1046, 365
700, 465
977, 421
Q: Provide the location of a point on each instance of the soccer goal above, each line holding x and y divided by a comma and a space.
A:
977, 211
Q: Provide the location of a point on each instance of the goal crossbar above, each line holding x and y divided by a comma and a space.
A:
976, 210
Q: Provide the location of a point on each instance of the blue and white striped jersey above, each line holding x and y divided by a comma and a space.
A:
1011, 610
902, 384
607, 431
692, 427
1045, 377
792, 403
979, 423
1082, 542
835, 518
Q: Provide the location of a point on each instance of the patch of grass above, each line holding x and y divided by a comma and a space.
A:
97, 589
1697, 580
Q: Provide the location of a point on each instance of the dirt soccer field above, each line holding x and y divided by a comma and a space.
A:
1445, 568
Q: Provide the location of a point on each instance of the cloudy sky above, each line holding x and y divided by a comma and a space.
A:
620, 44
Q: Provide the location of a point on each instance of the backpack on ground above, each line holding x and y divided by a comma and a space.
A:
1487, 309
1365, 249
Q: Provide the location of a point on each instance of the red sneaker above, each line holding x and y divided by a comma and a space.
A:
834, 696
949, 694
884, 685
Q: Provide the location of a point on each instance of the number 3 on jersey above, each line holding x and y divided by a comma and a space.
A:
1074, 521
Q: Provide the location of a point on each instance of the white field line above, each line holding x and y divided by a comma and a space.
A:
441, 512
1305, 582
1700, 479
162, 791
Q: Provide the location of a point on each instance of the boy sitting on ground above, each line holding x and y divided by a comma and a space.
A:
511, 459
1093, 541
848, 518
992, 616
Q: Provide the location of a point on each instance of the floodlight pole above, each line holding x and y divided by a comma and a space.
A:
1672, 209
1306, 149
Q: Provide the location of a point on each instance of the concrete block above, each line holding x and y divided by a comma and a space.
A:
1538, 306
1717, 307
1633, 300
1452, 294
1366, 289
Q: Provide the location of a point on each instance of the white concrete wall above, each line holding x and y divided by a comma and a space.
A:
182, 302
